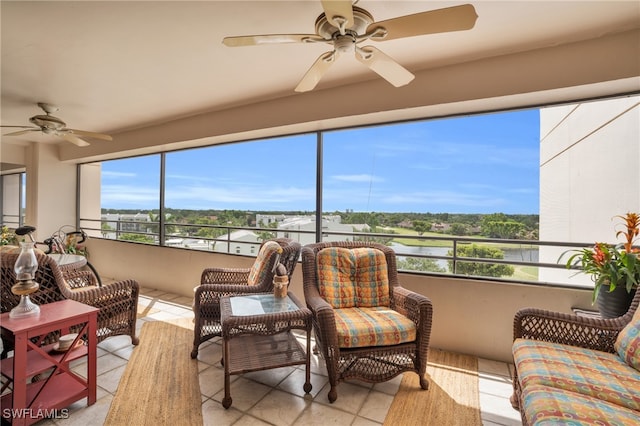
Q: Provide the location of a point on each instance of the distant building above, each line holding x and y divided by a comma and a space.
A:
579, 203
119, 223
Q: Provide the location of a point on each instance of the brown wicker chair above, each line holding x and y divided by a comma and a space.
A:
118, 301
218, 282
568, 329
371, 364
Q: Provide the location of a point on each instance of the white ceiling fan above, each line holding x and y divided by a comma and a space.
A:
345, 26
50, 125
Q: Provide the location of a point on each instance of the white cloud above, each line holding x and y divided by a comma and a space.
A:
357, 178
111, 174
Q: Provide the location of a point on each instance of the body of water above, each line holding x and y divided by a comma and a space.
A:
521, 255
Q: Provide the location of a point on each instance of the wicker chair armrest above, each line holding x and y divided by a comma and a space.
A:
111, 294
79, 279
414, 306
325, 323
316, 303
569, 329
205, 293
323, 317
225, 276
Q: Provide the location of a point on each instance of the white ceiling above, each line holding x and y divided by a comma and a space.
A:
118, 65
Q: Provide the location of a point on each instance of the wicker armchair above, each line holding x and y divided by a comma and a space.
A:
568, 329
118, 301
218, 282
357, 282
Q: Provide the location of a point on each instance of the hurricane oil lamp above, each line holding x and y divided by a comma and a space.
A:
25, 269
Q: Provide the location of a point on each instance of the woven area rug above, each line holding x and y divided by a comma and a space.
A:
160, 383
452, 399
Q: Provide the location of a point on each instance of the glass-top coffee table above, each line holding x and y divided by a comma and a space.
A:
256, 335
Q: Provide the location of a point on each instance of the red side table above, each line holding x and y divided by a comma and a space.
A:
31, 401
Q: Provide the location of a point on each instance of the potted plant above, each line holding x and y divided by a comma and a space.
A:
614, 269
8, 237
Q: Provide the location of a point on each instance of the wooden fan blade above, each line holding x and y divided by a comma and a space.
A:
315, 73
384, 66
90, 134
456, 18
73, 139
339, 12
21, 132
252, 40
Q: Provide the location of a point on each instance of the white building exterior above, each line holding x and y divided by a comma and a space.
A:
589, 173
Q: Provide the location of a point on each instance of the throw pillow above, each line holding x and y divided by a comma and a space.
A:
628, 344
260, 269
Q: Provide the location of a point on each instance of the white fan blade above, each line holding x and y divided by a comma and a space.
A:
90, 134
315, 73
252, 40
339, 13
73, 139
456, 18
21, 132
384, 65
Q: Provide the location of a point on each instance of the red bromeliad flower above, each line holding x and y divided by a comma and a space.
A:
632, 225
612, 265
600, 254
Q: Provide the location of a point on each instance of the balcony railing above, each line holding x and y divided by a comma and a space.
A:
524, 261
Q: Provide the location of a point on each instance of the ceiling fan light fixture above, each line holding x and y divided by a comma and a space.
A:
48, 122
345, 43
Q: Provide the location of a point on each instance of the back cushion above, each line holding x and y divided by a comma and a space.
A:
260, 269
349, 278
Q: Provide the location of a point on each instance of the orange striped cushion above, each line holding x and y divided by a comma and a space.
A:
381, 326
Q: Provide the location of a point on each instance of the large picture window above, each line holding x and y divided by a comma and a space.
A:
126, 203
480, 195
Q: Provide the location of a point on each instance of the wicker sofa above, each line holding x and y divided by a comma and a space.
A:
577, 370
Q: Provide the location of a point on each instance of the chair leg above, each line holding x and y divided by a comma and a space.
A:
515, 402
424, 383
333, 394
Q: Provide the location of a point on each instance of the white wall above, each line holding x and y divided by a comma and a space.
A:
589, 158
90, 201
51, 190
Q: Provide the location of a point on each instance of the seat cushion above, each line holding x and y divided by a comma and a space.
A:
587, 372
628, 344
378, 326
549, 406
356, 277
260, 269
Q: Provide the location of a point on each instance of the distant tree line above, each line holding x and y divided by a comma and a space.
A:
495, 225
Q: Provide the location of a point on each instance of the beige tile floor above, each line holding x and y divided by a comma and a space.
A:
273, 397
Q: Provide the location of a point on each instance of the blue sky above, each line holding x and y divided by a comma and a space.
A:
475, 164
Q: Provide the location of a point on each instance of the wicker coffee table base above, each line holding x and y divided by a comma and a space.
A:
264, 341
249, 353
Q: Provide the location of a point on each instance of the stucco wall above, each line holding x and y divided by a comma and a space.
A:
470, 316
